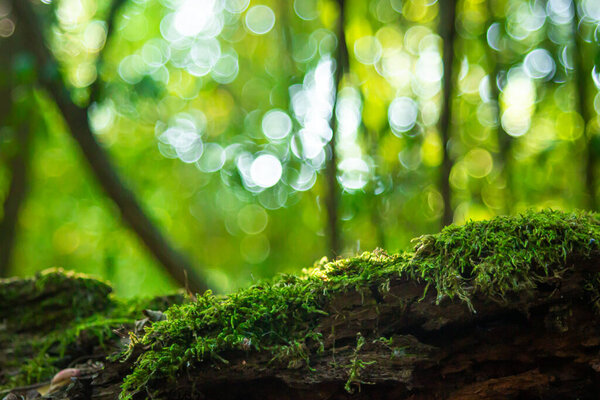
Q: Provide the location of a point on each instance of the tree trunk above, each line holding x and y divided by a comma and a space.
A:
583, 108
447, 27
332, 197
17, 191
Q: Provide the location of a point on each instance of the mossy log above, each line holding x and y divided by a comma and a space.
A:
501, 309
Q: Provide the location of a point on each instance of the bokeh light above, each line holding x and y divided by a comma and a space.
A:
539, 64
220, 113
403, 114
367, 50
260, 19
266, 170
276, 124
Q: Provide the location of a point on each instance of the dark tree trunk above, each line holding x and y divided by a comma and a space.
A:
17, 192
16, 120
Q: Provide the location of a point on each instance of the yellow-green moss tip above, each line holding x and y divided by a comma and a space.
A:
490, 257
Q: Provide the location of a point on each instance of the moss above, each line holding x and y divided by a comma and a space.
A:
504, 254
356, 366
57, 295
490, 258
56, 316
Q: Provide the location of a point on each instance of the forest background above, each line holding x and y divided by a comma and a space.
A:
238, 139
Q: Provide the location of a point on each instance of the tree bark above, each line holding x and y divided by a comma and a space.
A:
76, 119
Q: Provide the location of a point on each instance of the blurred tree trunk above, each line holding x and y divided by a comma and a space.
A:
16, 118
447, 30
178, 267
16, 125
504, 139
505, 142
15, 197
333, 194
582, 96
374, 209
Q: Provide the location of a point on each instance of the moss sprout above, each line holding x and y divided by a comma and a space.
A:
356, 366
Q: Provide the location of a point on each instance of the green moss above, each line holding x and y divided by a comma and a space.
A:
491, 258
504, 254
356, 366
56, 295
54, 316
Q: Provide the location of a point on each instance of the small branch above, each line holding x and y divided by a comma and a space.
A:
447, 29
77, 120
25, 388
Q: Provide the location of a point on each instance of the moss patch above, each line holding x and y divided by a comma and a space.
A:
52, 318
503, 254
491, 258
57, 295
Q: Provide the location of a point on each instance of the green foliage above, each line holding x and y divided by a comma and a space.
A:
489, 258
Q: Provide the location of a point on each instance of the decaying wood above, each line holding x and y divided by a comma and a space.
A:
543, 343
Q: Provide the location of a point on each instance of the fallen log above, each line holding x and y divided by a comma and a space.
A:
499, 309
